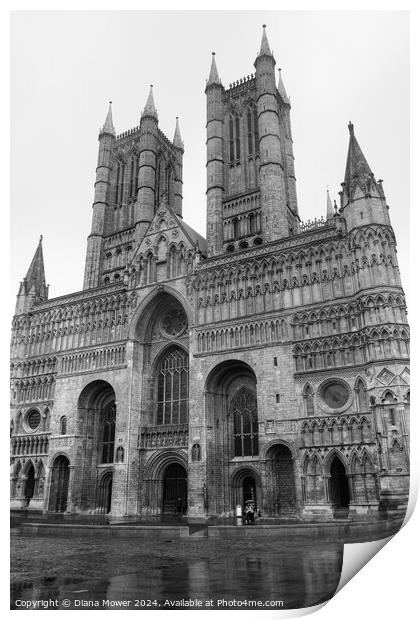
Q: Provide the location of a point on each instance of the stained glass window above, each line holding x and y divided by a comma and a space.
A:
34, 419
172, 388
335, 394
245, 423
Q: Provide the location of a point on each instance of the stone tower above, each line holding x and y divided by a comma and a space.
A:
136, 171
251, 185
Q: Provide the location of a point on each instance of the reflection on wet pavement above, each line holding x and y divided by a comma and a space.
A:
298, 576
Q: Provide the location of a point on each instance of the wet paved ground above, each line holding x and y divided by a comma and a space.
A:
102, 572
167, 572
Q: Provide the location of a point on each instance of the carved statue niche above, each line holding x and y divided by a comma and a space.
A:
196, 452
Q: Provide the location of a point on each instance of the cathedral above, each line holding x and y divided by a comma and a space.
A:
268, 361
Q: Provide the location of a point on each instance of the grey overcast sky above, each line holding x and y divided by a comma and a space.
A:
65, 66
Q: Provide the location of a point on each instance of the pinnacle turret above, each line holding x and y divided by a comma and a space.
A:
108, 126
282, 90
264, 65
214, 76
36, 272
358, 172
177, 136
265, 48
150, 109
330, 209
33, 287
362, 199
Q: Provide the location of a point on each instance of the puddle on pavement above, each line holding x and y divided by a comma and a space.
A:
299, 577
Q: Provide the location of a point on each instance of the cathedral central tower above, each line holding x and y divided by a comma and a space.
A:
251, 185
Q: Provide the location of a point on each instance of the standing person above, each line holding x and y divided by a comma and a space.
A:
250, 511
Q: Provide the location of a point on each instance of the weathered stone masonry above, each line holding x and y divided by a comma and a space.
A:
268, 363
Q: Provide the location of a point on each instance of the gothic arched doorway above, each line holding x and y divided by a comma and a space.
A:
249, 490
340, 492
104, 496
245, 487
59, 484
29, 484
281, 488
175, 489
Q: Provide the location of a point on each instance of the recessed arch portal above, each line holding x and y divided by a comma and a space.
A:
96, 395
232, 412
29, 483
104, 493
280, 479
340, 491
161, 333
174, 489
246, 485
144, 319
165, 477
96, 405
60, 474
231, 390
97, 417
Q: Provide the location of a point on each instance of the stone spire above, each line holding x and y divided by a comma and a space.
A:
36, 272
177, 136
330, 209
214, 76
265, 48
150, 109
358, 172
108, 126
33, 287
362, 199
282, 90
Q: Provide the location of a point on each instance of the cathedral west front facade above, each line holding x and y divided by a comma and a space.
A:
269, 361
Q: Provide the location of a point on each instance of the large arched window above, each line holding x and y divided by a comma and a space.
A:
234, 138
108, 434
252, 127
172, 387
245, 423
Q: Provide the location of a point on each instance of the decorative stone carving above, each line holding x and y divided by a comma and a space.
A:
269, 427
196, 452
386, 376
174, 323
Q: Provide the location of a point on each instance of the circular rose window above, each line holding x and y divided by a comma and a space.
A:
174, 322
335, 394
33, 419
